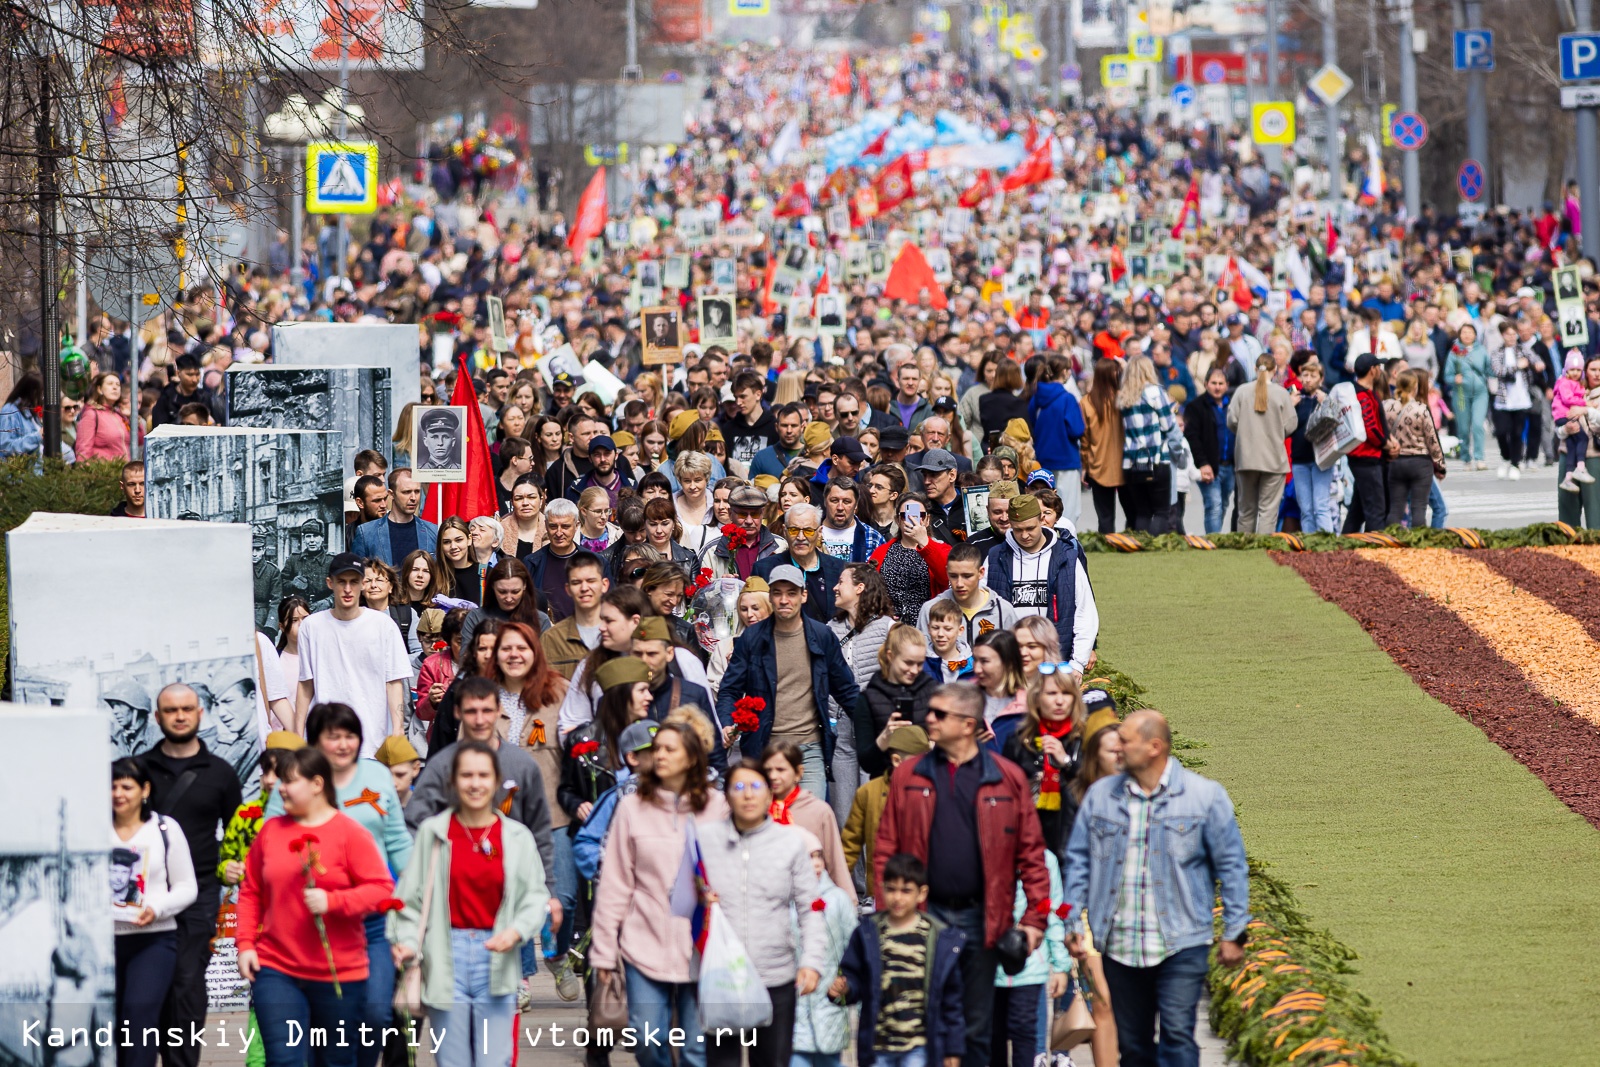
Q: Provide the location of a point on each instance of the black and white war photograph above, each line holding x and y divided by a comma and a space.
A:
441, 437
57, 957
626, 460
191, 624
717, 322
284, 483
353, 400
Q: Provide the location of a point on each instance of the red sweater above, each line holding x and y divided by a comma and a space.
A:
273, 918
935, 554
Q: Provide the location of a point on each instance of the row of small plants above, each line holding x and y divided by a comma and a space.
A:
1290, 1004
1539, 534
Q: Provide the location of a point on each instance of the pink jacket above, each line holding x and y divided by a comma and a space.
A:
1568, 395
101, 434
440, 668
633, 918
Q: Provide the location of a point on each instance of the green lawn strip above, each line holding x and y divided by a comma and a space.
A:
1469, 893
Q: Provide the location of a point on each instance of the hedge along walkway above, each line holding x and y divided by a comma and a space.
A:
1468, 890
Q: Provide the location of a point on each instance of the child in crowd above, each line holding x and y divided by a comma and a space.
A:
821, 1027
902, 968
400, 756
950, 659
860, 833
1568, 401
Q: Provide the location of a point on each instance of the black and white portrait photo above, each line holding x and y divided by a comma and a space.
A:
877, 261
659, 335
675, 275
797, 258
838, 220
939, 262
441, 436
716, 320
649, 274
724, 274
798, 319
1569, 289
830, 313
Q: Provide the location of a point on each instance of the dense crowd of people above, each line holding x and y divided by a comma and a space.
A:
795, 636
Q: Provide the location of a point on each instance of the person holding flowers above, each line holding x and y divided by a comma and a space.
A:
363, 791
474, 895
311, 878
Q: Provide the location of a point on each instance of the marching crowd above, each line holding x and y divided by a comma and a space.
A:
784, 652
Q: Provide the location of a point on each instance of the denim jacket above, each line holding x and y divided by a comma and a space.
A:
1194, 844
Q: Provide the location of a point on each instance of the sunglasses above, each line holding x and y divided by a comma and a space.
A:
935, 713
798, 531
1052, 668
636, 573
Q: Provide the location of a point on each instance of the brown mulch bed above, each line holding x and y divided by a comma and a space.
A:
1564, 585
1457, 667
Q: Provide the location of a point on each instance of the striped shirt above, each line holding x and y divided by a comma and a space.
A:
1135, 938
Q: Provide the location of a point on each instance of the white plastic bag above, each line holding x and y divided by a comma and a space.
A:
731, 993
1348, 432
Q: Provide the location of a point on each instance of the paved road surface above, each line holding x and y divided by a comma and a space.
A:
1478, 499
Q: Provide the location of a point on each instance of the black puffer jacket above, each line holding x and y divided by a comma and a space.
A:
1056, 823
875, 707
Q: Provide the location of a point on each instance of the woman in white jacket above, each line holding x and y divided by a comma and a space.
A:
152, 880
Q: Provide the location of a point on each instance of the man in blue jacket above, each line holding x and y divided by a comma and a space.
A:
399, 533
793, 665
803, 528
1042, 571
1148, 850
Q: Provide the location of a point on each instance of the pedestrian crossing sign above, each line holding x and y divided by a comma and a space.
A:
342, 177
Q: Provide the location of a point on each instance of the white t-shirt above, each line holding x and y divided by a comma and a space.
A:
278, 686
352, 663
839, 543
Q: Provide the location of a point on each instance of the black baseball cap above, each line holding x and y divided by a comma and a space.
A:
346, 563
894, 438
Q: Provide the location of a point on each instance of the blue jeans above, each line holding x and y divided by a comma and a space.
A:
651, 1006
1171, 990
916, 1057
828, 1059
281, 1000
1215, 495
814, 774
978, 965
1312, 486
379, 1009
1436, 508
476, 1014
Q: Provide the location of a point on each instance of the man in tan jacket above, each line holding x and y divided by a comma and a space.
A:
861, 829
574, 637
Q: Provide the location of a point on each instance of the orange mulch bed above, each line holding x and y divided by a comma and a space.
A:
1499, 659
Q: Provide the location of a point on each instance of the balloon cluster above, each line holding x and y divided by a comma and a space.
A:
484, 153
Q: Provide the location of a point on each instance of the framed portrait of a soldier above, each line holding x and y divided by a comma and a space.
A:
441, 437
660, 335
717, 320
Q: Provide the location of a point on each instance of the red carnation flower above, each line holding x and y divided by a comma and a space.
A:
252, 812
1061, 912
298, 845
819, 904
736, 536
585, 748
391, 904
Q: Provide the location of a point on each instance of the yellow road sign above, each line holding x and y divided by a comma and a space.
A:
1116, 71
1386, 121
1272, 122
342, 177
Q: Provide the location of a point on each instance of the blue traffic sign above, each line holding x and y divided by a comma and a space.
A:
1469, 180
1580, 56
1409, 131
1474, 50
1182, 95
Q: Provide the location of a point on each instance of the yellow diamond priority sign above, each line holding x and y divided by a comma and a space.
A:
1272, 122
1330, 84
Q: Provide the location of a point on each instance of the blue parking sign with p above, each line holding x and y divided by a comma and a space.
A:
342, 177
1474, 50
1580, 56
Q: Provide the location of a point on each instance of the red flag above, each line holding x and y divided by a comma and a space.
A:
590, 221
840, 83
877, 145
767, 305
1035, 168
1238, 288
978, 191
837, 185
1191, 200
795, 202
1333, 235
893, 184
476, 495
910, 275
